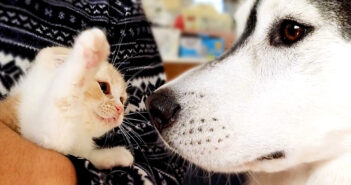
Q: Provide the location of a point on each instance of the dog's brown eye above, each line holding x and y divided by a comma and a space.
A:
292, 32
105, 88
288, 32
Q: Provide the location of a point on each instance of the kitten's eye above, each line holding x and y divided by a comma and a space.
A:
290, 32
121, 99
105, 88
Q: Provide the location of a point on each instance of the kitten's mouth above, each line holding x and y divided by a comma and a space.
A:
110, 121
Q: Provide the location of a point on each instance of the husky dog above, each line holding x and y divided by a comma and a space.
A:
277, 105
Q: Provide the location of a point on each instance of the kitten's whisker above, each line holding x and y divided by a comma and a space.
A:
121, 62
119, 47
140, 114
140, 71
143, 68
128, 124
131, 125
132, 113
253, 178
127, 138
209, 178
132, 95
173, 155
132, 136
119, 65
138, 120
106, 139
134, 133
129, 85
146, 159
239, 179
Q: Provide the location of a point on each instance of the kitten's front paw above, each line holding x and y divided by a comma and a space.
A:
126, 158
94, 47
108, 158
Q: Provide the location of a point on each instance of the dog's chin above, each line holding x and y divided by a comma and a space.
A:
273, 162
197, 161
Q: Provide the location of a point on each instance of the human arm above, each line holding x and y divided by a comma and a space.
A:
22, 162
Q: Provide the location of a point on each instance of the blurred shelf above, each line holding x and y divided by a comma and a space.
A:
186, 60
226, 36
209, 33
174, 70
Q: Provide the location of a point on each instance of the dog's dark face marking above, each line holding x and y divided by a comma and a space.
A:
250, 27
337, 10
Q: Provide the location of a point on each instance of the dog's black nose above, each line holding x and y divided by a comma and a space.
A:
162, 108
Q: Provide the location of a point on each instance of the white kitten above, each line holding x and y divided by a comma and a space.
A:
72, 95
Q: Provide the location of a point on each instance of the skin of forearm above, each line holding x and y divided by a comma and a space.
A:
22, 162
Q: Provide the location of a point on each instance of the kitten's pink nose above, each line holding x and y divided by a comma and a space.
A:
119, 109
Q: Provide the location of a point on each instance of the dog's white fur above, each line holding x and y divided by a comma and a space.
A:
263, 99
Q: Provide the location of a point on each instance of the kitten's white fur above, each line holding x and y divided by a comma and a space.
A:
52, 111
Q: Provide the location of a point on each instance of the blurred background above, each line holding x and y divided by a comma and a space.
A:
191, 32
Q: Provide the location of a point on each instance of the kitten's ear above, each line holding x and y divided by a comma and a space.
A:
52, 57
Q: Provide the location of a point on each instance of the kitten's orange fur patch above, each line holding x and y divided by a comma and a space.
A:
63, 104
93, 92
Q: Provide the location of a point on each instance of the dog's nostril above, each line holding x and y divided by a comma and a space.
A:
163, 108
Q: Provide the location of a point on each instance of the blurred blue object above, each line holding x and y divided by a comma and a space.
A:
202, 46
214, 46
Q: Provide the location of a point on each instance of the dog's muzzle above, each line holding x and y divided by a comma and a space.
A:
163, 108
